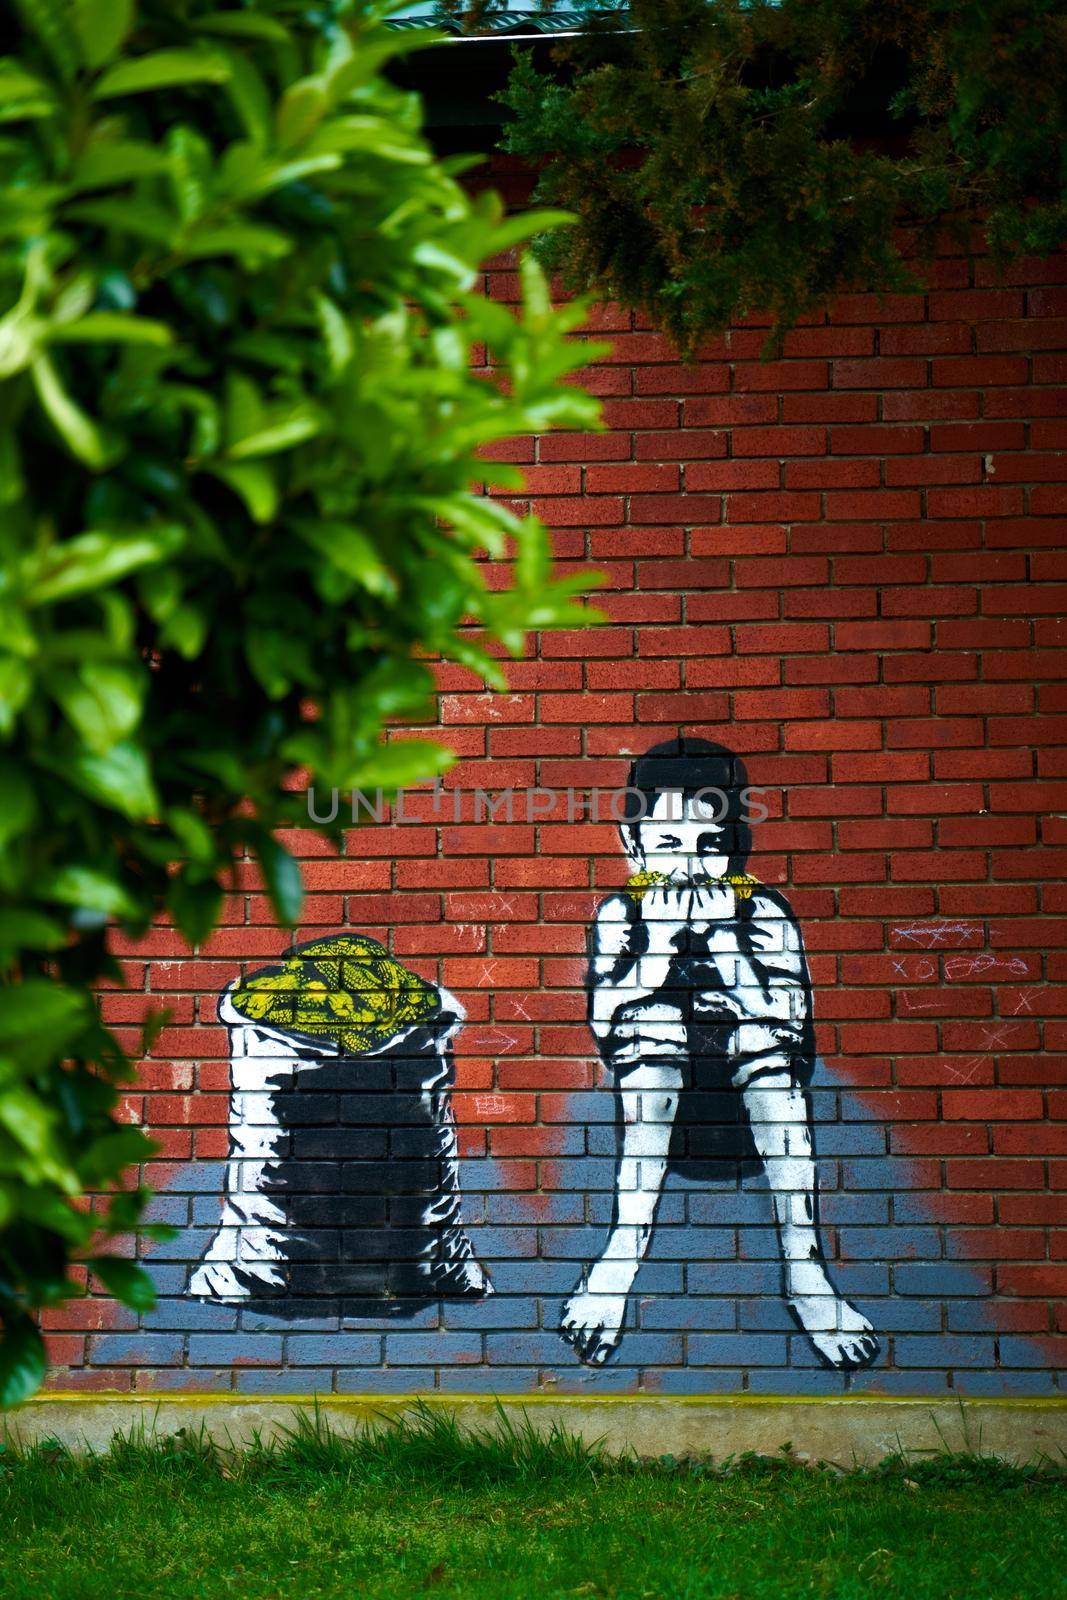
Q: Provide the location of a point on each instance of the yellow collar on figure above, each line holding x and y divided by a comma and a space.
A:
741, 883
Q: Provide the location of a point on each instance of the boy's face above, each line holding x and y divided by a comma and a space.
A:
681, 838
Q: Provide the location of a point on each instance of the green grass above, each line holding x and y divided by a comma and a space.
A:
419, 1509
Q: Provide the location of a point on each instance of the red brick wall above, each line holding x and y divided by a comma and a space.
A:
847, 564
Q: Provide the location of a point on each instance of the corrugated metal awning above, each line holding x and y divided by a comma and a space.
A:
509, 21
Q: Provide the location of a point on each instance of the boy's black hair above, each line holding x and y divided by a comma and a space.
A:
687, 766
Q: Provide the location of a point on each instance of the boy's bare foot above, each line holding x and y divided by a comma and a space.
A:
592, 1323
842, 1335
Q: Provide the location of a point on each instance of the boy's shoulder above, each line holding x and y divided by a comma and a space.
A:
621, 906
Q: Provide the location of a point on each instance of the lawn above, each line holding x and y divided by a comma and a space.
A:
420, 1510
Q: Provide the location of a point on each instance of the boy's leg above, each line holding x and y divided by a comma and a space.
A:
593, 1316
778, 1114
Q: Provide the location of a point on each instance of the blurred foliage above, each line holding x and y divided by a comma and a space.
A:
241, 479
745, 156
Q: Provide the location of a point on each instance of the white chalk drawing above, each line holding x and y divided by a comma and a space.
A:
700, 1002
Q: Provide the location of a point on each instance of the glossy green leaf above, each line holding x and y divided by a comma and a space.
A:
248, 241
281, 875
161, 69
109, 163
254, 484
244, 25
351, 551
126, 1280
34, 1126
119, 778
102, 701
88, 889
301, 424
93, 560
83, 437
110, 327
49, 21
18, 805
400, 765
22, 1360
101, 26
194, 904
39, 1006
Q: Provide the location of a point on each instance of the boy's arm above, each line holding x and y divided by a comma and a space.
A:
762, 966
629, 959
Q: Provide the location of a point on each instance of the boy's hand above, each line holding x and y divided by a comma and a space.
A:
670, 908
712, 902
665, 912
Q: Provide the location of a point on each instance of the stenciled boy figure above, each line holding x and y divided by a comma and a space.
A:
700, 1000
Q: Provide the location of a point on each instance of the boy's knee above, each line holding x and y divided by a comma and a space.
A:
650, 1092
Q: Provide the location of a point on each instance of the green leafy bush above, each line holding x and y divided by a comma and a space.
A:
727, 157
240, 451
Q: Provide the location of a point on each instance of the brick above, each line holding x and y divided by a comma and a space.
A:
929, 471
723, 476
940, 601
829, 603
676, 379
687, 509
684, 575
949, 338
1008, 600
685, 641
739, 541
779, 376
831, 669
681, 444
931, 733
685, 707
781, 507
583, 708
780, 703
978, 436
878, 309
829, 408
784, 638
986, 501
853, 341
731, 607
583, 447
1035, 333
973, 305
926, 405
745, 672
735, 411
879, 373
834, 736
896, 635
871, 440
983, 372
779, 442
759, 573
826, 474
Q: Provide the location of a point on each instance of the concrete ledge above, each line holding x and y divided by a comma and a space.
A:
847, 1430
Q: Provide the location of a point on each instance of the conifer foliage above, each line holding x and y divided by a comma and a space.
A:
735, 156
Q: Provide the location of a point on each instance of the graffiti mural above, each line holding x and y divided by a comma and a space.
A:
700, 1003
342, 1178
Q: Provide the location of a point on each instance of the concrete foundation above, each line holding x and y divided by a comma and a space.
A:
847, 1431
